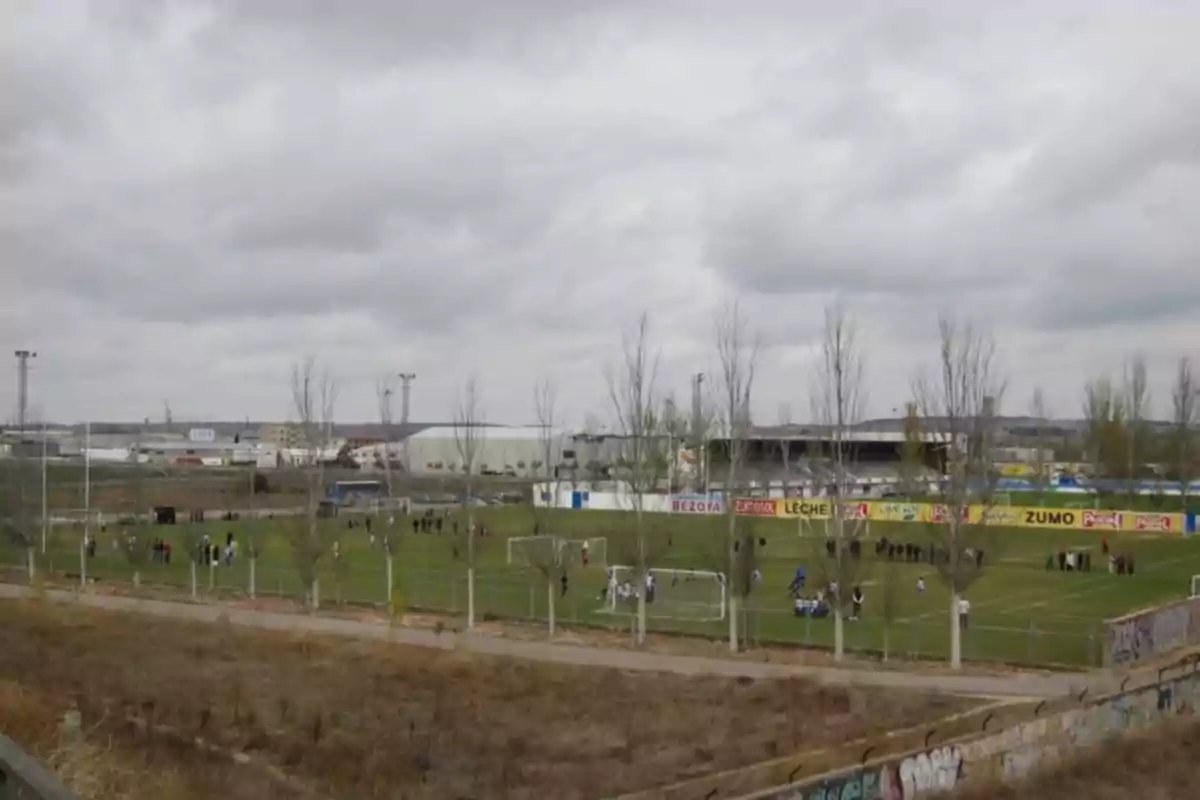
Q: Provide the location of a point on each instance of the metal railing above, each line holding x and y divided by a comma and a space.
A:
23, 777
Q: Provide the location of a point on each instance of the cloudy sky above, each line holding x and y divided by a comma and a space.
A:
195, 195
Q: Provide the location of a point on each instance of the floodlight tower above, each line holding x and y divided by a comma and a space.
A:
406, 379
23, 357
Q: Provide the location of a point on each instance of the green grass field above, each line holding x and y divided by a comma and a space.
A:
1021, 613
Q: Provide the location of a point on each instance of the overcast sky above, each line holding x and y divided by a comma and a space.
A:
194, 195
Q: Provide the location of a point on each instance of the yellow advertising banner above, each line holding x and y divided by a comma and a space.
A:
1078, 519
801, 508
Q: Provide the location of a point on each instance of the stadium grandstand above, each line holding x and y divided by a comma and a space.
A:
798, 460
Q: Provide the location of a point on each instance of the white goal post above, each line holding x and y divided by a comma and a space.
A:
528, 551
1195, 588
570, 551
684, 594
76, 516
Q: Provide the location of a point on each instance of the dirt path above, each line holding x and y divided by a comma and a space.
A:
999, 686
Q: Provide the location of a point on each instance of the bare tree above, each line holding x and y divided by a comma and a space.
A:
384, 390
785, 450
959, 405
469, 436
1105, 439
16, 495
838, 403
912, 468
1041, 446
737, 354
642, 464
550, 564
1136, 392
1183, 408
135, 544
314, 396
391, 538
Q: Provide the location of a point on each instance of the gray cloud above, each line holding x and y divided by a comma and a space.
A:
195, 194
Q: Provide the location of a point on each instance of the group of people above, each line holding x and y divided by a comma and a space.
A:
211, 554
820, 604
920, 554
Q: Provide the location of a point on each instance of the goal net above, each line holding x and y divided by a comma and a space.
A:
79, 517
530, 551
1195, 588
686, 594
570, 552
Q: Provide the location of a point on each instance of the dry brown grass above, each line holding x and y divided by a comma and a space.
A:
356, 719
1157, 765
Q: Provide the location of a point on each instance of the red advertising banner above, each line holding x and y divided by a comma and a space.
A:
1154, 522
697, 504
1102, 520
755, 507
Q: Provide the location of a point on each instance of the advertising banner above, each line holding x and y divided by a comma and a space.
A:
1101, 520
797, 508
888, 511
697, 504
755, 507
1154, 522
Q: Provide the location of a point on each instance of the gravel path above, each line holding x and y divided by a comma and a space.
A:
1000, 686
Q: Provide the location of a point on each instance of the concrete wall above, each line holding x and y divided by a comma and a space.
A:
1008, 756
24, 778
1148, 634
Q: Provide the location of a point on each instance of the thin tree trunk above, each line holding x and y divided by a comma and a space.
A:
83, 565
391, 586
839, 628
316, 594
29, 554
733, 626
955, 633
887, 637
550, 604
253, 577
641, 615
192, 564
470, 593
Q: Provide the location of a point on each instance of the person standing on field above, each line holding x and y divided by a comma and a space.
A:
583, 552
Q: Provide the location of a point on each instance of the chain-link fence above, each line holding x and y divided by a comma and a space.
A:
524, 596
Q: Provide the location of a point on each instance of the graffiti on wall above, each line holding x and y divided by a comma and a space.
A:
937, 770
1151, 633
1130, 640
1007, 755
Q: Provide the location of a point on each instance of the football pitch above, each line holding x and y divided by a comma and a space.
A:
1021, 612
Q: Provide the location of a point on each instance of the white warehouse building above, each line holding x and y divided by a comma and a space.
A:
516, 451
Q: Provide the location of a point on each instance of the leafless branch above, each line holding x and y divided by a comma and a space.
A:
314, 396
470, 432
642, 464
838, 404
1184, 394
959, 407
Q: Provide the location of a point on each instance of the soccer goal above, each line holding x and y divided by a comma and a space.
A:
570, 551
529, 551
80, 517
1195, 588
686, 594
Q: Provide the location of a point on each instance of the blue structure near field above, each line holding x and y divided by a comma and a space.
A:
351, 492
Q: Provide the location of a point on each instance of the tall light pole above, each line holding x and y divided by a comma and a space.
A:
406, 379
699, 435
23, 357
